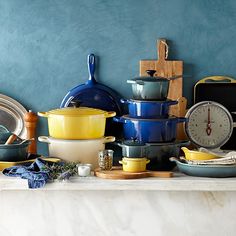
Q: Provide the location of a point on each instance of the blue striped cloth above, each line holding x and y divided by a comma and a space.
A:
36, 174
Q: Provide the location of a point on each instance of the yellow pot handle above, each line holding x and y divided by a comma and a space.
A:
109, 139
42, 114
185, 150
147, 161
123, 162
110, 114
51, 159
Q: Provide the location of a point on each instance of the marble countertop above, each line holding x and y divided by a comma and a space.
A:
179, 182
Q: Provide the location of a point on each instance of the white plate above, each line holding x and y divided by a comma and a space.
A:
12, 115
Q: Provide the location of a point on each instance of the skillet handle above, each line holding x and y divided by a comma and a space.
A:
91, 67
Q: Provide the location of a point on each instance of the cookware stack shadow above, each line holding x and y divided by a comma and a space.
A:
148, 130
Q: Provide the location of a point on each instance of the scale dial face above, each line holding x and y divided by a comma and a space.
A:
209, 124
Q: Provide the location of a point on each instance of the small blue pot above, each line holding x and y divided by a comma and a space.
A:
14, 152
150, 130
148, 109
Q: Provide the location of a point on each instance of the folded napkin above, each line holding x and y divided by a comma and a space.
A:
219, 161
219, 152
37, 173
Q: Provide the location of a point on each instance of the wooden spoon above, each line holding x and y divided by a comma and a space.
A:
11, 139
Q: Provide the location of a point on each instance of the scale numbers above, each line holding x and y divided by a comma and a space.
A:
209, 124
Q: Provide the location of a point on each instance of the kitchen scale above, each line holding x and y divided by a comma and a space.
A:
209, 125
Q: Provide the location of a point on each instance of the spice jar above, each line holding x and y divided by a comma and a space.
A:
105, 159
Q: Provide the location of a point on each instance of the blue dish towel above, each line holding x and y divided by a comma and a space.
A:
36, 174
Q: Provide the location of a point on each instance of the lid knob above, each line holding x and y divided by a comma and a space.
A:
151, 72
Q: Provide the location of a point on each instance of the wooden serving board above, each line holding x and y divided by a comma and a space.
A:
166, 68
118, 173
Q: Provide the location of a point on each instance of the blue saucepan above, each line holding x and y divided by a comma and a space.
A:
150, 130
148, 109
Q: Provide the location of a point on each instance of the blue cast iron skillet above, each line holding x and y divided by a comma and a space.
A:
93, 94
96, 95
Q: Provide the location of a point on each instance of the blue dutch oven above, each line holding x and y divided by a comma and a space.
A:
148, 109
150, 130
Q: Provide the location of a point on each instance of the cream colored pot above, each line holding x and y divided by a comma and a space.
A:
80, 151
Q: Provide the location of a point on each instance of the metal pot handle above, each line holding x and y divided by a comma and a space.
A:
147, 161
172, 102
119, 144
109, 139
182, 119
140, 82
174, 159
183, 144
123, 100
120, 119
44, 139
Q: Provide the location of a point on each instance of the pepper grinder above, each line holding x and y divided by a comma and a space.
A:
31, 119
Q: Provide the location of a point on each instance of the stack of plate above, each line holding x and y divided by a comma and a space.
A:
205, 164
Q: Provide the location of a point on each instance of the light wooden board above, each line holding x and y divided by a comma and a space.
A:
166, 68
118, 173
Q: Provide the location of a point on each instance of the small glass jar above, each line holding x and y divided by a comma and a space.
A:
105, 159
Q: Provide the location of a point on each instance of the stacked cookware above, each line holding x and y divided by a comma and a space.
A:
77, 134
148, 128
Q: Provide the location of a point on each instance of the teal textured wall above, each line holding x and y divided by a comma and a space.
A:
44, 44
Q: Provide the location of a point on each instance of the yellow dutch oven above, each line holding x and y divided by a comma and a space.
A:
77, 123
134, 164
197, 155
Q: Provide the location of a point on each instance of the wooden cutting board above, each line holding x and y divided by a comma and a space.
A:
118, 173
166, 68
